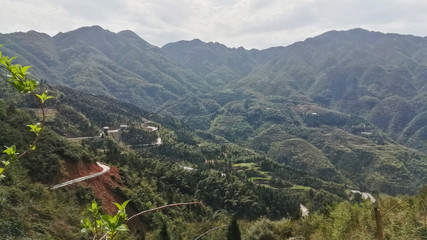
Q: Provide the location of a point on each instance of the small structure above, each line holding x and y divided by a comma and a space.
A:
105, 130
124, 126
151, 128
187, 168
209, 161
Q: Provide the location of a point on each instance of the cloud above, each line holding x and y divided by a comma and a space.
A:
248, 23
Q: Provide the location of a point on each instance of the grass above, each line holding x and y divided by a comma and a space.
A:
299, 187
250, 165
268, 186
259, 178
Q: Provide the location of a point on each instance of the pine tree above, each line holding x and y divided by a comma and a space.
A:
164, 234
233, 230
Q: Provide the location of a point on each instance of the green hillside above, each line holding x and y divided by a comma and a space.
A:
380, 77
97, 61
302, 124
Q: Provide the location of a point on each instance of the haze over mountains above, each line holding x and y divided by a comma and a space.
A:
337, 105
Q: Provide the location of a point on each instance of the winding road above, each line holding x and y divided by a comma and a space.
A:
365, 195
104, 167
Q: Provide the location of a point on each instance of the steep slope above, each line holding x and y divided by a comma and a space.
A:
356, 84
356, 72
213, 61
349, 64
322, 105
95, 60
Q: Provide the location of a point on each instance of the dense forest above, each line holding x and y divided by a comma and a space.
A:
273, 142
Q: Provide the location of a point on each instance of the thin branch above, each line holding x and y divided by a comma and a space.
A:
388, 210
41, 126
41, 107
166, 206
208, 231
105, 236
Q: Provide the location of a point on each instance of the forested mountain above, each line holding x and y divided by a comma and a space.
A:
94, 60
170, 172
250, 133
356, 72
337, 105
215, 62
294, 105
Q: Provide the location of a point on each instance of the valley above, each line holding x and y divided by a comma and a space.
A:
280, 138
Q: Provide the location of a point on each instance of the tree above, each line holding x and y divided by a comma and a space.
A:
233, 232
164, 234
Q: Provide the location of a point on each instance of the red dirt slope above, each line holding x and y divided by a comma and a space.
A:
102, 186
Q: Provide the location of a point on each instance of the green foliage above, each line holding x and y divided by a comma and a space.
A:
233, 128
21, 81
143, 76
392, 114
18, 79
35, 128
164, 234
44, 97
266, 104
100, 225
233, 232
138, 136
302, 155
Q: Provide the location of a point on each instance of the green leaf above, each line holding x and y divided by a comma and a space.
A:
122, 228
11, 151
99, 223
44, 97
87, 226
33, 147
123, 206
86, 223
94, 207
35, 128
10, 59
24, 69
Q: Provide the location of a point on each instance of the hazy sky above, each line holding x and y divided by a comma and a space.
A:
248, 23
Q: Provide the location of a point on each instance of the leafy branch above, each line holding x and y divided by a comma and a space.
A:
210, 230
20, 79
110, 226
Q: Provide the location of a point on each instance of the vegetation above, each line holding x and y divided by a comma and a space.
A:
20, 80
285, 126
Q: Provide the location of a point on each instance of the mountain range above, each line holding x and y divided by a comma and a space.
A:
345, 106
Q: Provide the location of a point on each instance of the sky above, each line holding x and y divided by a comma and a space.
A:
249, 23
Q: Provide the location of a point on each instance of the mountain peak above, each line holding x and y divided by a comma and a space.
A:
128, 34
92, 28
196, 40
